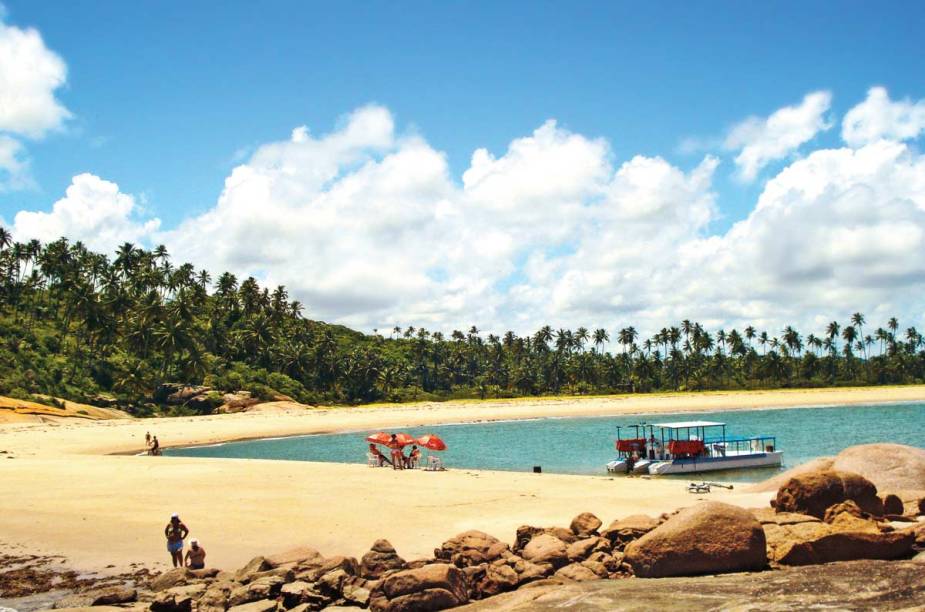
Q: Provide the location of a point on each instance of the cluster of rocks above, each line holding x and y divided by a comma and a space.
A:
815, 517
205, 399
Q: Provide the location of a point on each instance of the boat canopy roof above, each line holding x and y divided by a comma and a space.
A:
687, 424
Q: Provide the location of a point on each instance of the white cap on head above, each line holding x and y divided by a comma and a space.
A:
194, 541
174, 515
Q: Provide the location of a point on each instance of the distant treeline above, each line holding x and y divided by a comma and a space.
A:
78, 325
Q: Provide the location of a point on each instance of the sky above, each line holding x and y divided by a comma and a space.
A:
499, 164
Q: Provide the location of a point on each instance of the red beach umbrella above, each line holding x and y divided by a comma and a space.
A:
404, 439
379, 438
431, 442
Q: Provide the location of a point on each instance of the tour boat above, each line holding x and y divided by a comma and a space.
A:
691, 447
632, 451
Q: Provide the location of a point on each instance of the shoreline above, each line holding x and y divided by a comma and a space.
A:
514, 420
69, 493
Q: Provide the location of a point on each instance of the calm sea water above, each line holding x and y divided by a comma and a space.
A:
585, 445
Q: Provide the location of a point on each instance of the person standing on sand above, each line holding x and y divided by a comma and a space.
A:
196, 555
147, 439
398, 458
175, 532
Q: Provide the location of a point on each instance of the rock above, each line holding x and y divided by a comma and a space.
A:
299, 593
381, 558
525, 533
175, 577
814, 492
709, 538
207, 572
585, 524
913, 501
623, 531
356, 594
854, 585
773, 484
578, 551
254, 566
265, 605
891, 467
432, 587
236, 402
893, 505
845, 507
471, 548
576, 572
175, 394
497, 578
165, 601
546, 548
530, 572
348, 564
301, 555
846, 546
215, 597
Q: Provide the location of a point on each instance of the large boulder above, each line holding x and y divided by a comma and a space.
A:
709, 538
432, 587
585, 524
801, 539
577, 572
381, 558
814, 492
525, 533
471, 548
301, 555
178, 576
546, 549
776, 482
890, 467
912, 500
623, 531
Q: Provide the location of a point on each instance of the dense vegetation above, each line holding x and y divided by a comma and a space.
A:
76, 324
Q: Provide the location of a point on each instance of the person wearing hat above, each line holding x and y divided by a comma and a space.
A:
196, 555
175, 532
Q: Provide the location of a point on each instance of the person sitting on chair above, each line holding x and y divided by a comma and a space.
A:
374, 451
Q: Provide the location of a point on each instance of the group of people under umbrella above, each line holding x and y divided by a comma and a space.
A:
396, 443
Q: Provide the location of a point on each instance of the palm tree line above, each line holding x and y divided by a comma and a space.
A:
76, 324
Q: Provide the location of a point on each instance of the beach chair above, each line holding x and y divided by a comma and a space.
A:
372, 460
434, 464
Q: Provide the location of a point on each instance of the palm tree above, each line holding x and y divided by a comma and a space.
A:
600, 338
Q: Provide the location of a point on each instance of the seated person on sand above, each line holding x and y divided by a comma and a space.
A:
398, 458
196, 555
412, 461
375, 452
175, 532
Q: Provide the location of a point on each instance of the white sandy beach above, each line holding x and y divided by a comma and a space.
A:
66, 492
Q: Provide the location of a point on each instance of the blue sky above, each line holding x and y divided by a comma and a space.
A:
428, 186
165, 93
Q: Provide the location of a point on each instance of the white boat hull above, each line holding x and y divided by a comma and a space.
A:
618, 466
714, 464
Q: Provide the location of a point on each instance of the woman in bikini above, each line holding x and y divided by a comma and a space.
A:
175, 532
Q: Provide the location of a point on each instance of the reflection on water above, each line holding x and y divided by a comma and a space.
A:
585, 445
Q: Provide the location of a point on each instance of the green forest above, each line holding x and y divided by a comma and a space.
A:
83, 326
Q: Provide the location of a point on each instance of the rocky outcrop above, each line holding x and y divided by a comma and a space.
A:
623, 531
891, 467
236, 402
585, 524
814, 492
709, 538
546, 549
432, 587
854, 585
471, 548
380, 559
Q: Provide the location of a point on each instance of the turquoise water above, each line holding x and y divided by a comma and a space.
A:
585, 445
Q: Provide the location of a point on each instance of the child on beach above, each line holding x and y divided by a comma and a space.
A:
175, 532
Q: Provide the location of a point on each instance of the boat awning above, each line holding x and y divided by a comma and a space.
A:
687, 424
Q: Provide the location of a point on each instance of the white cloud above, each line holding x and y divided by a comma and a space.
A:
14, 167
761, 140
879, 117
368, 227
29, 75
93, 211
